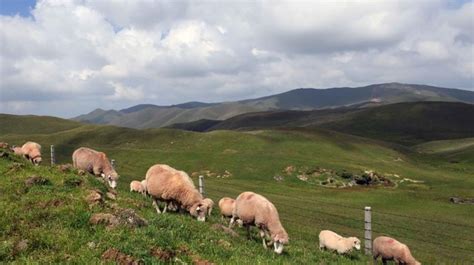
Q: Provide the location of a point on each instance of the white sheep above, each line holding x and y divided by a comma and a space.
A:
209, 204
32, 152
167, 184
95, 163
255, 210
136, 186
391, 249
332, 241
226, 206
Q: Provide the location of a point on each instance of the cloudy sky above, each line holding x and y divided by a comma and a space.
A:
65, 58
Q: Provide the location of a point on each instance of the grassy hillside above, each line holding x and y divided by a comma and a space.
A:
456, 151
403, 123
28, 124
152, 116
416, 212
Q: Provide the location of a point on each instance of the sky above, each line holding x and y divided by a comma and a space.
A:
67, 57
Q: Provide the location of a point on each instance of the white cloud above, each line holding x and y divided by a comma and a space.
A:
113, 54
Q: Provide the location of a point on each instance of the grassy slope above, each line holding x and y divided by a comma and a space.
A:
254, 158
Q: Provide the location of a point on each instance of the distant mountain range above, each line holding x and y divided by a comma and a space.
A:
153, 116
406, 123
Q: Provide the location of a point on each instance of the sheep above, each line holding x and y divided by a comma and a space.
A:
226, 205
391, 249
209, 204
255, 210
32, 152
172, 186
3, 145
332, 241
143, 182
137, 187
17, 150
95, 163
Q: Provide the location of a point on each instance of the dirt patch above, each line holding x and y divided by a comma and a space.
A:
111, 196
20, 246
94, 197
163, 255
51, 203
210, 174
130, 218
459, 200
219, 227
4, 145
107, 219
65, 168
113, 255
72, 182
120, 216
36, 180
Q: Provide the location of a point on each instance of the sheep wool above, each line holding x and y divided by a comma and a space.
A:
390, 249
172, 186
95, 163
255, 210
332, 241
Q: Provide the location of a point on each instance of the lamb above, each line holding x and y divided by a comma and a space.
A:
95, 163
143, 182
172, 186
137, 187
255, 210
226, 205
209, 204
32, 152
391, 249
332, 241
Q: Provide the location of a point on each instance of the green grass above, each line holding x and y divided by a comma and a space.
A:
418, 214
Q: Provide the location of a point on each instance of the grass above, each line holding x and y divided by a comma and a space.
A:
418, 214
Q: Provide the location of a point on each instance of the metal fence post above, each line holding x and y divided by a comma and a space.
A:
201, 185
112, 161
368, 230
53, 159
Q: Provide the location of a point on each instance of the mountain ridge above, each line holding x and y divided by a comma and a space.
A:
153, 116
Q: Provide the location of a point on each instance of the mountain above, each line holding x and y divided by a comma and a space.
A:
405, 123
153, 116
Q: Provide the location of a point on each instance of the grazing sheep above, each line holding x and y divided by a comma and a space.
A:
32, 152
332, 241
391, 249
172, 186
3, 145
226, 205
137, 187
95, 163
17, 150
209, 204
255, 210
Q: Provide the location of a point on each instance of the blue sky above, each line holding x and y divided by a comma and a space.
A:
14, 7
69, 57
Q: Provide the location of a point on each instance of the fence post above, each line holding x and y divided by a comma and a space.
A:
112, 161
368, 230
201, 185
53, 159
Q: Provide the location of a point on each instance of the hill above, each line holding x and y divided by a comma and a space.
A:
402, 123
293, 168
30, 123
152, 116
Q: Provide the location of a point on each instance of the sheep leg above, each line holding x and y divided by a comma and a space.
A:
384, 261
232, 221
155, 204
262, 235
166, 207
248, 231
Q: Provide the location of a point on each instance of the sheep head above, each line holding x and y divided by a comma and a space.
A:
199, 210
111, 178
279, 240
355, 242
37, 160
